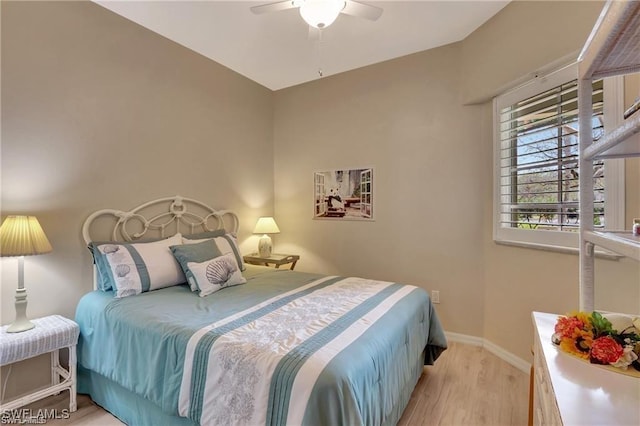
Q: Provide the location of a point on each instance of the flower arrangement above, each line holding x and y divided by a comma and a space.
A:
595, 338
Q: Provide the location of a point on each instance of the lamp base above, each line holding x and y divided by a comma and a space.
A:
265, 246
21, 323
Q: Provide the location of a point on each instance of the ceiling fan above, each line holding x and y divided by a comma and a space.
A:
321, 13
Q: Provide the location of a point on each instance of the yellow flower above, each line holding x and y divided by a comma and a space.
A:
585, 318
578, 344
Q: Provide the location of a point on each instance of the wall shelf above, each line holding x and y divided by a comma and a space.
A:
619, 143
621, 242
613, 48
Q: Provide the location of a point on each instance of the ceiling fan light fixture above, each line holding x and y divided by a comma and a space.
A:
321, 13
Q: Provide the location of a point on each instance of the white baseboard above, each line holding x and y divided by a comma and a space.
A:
501, 353
464, 338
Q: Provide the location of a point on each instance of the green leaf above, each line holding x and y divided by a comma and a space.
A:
601, 325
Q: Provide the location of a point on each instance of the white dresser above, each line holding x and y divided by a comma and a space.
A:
570, 391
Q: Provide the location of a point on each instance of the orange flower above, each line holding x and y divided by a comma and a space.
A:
566, 326
605, 350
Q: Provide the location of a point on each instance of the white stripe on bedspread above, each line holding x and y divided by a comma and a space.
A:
308, 374
185, 387
241, 362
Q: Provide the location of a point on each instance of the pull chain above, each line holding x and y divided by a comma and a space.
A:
320, 72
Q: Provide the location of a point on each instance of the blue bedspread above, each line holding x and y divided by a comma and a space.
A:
334, 350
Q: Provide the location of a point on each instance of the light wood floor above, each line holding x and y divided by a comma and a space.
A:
469, 386
466, 386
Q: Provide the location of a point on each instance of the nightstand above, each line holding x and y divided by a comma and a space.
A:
50, 334
275, 259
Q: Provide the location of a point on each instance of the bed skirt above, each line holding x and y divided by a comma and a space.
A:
134, 410
128, 407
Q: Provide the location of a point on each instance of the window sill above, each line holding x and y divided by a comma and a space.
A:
558, 249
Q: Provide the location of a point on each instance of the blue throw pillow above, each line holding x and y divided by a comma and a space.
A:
202, 251
206, 234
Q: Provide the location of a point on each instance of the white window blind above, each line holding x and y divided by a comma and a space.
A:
536, 161
539, 160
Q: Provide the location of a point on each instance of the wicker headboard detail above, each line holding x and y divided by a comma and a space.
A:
159, 219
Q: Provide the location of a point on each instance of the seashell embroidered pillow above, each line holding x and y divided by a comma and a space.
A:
216, 274
134, 268
224, 241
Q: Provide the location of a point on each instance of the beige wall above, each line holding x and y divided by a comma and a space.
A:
521, 39
433, 174
402, 117
98, 112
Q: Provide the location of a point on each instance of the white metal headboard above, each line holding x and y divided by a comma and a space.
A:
162, 218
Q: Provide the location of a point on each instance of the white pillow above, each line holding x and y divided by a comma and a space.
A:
216, 274
140, 267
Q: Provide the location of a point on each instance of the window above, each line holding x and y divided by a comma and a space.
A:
536, 154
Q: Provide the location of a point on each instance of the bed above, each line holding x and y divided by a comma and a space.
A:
273, 347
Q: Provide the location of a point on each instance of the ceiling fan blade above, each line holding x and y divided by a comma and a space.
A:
362, 10
273, 7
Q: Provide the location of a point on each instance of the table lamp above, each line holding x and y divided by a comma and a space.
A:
265, 226
22, 236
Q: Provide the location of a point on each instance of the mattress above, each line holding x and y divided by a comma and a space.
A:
287, 347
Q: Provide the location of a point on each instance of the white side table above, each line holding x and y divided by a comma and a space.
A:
50, 334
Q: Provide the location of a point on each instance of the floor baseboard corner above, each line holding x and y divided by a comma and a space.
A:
501, 353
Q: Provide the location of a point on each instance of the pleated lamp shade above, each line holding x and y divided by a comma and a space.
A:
266, 225
22, 236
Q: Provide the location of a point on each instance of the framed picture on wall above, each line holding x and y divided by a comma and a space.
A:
345, 194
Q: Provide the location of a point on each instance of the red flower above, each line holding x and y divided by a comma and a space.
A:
605, 350
567, 325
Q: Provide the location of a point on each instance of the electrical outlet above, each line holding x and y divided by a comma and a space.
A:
435, 296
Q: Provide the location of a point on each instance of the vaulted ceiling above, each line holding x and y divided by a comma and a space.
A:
277, 50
